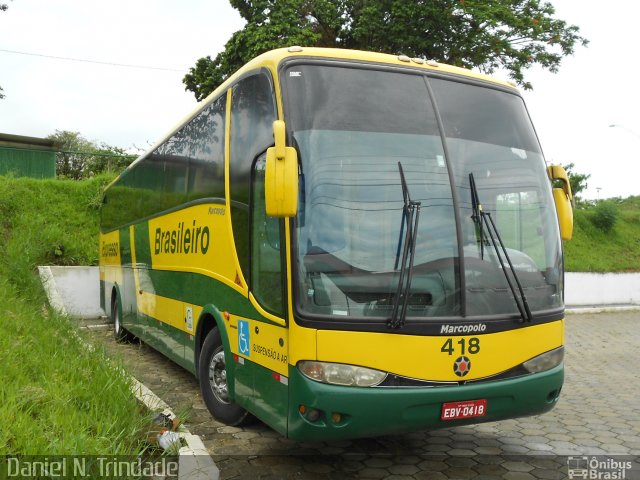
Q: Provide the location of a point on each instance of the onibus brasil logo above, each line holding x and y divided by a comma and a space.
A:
597, 467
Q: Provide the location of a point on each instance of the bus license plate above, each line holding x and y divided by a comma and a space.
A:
466, 409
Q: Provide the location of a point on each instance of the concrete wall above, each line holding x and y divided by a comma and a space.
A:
73, 290
602, 288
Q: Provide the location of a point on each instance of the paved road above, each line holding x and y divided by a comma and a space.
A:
598, 415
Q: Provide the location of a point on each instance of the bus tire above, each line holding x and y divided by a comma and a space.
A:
120, 334
213, 382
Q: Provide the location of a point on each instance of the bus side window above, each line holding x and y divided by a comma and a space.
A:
266, 256
253, 110
206, 152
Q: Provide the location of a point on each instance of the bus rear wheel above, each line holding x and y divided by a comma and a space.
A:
212, 372
119, 332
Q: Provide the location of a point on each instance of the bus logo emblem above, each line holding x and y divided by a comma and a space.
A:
461, 366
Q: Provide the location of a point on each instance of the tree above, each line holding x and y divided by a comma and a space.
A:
509, 34
79, 158
578, 181
108, 159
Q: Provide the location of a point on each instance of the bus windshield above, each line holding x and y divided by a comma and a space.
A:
353, 128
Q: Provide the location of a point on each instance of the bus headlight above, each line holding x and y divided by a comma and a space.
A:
341, 374
546, 361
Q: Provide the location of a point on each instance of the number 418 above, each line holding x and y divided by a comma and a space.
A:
472, 346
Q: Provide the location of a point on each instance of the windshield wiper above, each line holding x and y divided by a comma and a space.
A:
481, 217
410, 216
476, 208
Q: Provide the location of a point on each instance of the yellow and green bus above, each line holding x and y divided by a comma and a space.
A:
347, 244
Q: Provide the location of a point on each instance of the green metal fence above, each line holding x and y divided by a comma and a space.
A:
27, 162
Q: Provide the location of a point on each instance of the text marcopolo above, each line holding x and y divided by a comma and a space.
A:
476, 328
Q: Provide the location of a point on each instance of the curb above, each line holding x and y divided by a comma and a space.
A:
195, 463
578, 310
49, 284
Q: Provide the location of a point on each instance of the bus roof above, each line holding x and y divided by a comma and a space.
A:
273, 58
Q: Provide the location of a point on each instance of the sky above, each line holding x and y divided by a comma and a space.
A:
133, 107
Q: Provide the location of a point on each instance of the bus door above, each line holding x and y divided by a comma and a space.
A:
262, 336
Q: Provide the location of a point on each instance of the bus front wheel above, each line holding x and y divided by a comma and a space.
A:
213, 382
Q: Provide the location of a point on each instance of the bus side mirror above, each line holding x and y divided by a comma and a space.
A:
281, 176
563, 199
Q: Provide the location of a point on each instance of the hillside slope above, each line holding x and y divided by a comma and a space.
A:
48, 222
593, 250
57, 397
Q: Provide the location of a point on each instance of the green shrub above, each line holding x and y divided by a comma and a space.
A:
605, 215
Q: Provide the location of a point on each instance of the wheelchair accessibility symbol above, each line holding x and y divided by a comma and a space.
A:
243, 338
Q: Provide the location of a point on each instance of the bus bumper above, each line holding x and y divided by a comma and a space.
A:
353, 412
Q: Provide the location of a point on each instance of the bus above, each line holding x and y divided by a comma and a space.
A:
347, 244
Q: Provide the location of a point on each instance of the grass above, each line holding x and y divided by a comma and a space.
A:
57, 397
594, 250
